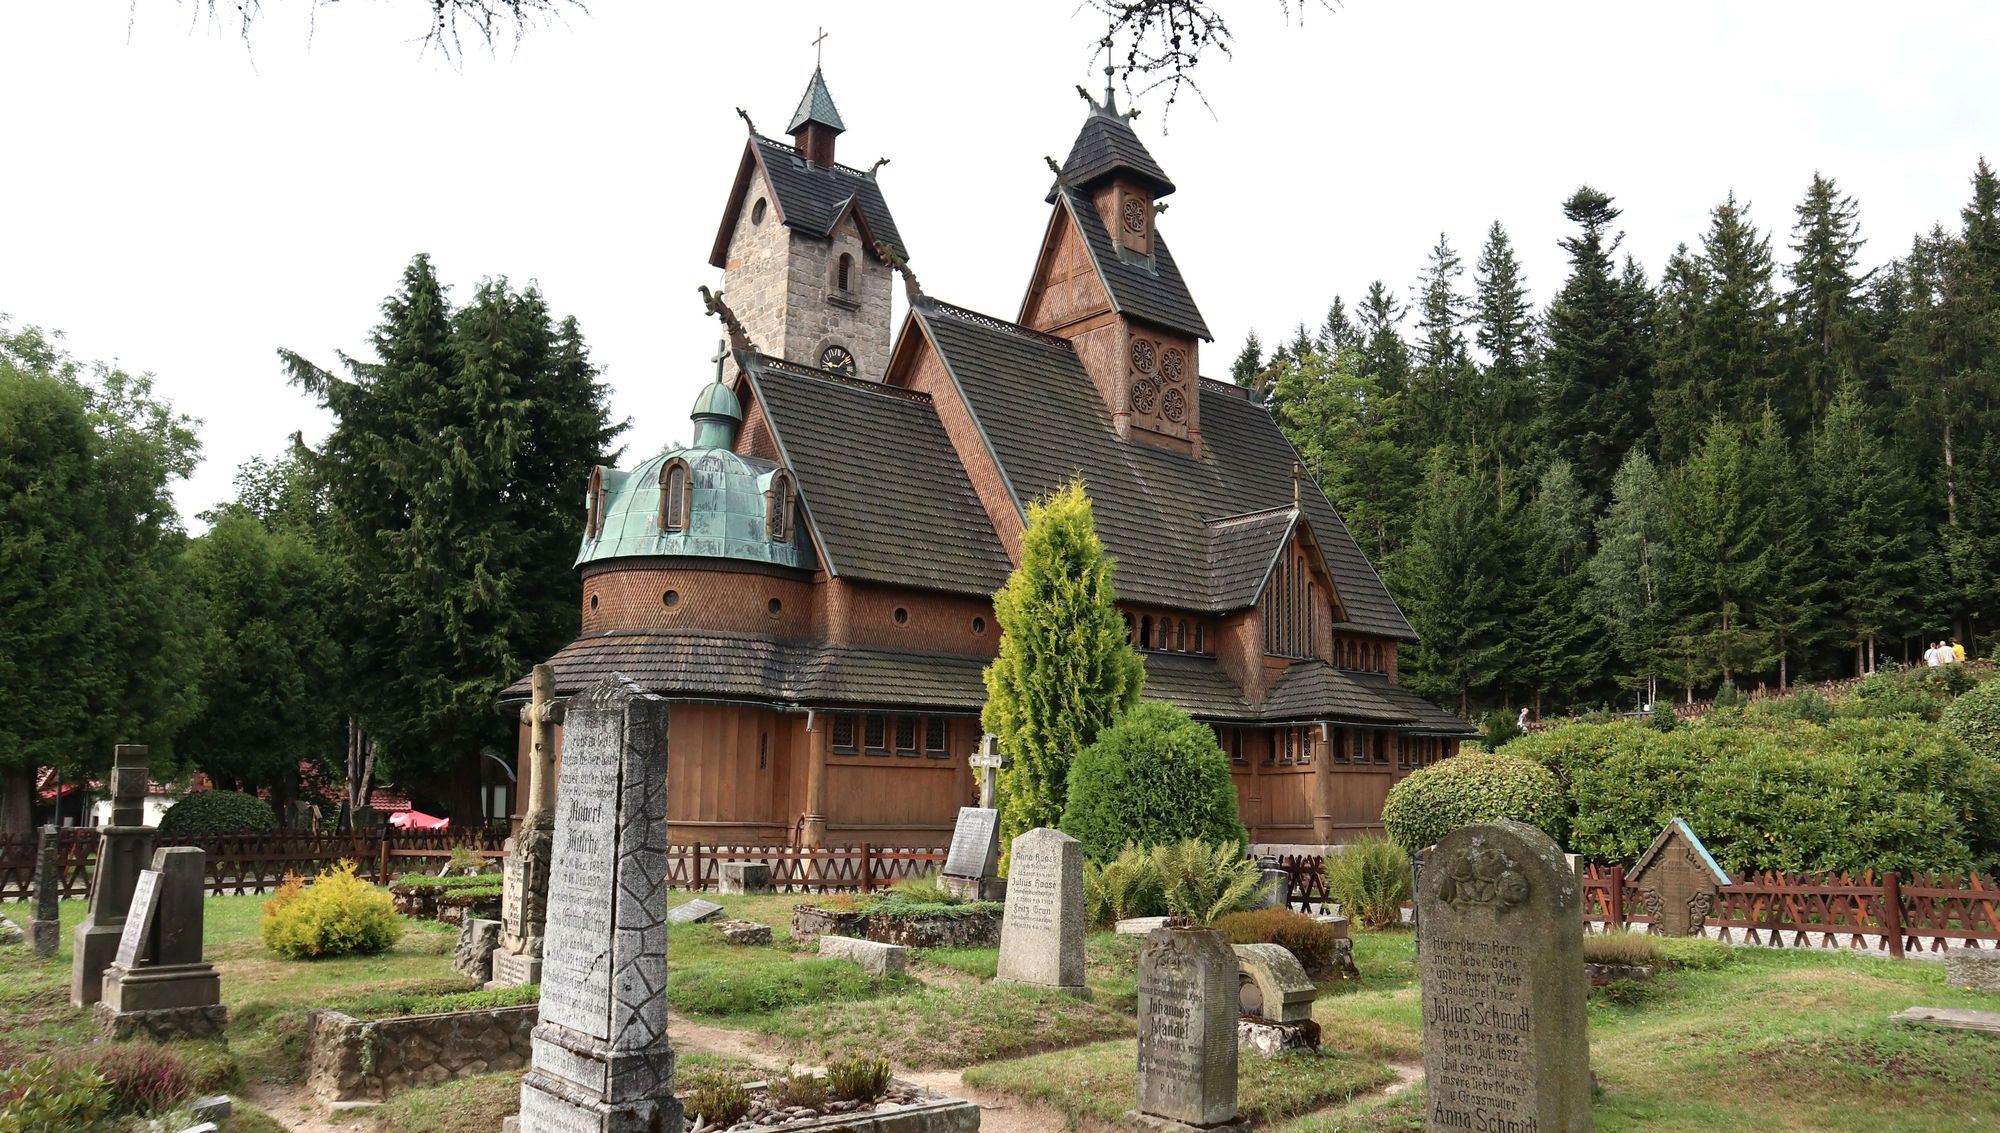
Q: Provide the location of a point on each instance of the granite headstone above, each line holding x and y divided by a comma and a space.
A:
601, 1062
123, 848
975, 843
158, 984
45, 926
1187, 1031
1041, 929
1506, 1043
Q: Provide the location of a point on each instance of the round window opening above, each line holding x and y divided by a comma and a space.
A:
670, 599
979, 625
593, 601
902, 616
757, 212
774, 607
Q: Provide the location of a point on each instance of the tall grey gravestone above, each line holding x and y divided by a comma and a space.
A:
158, 984
601, 1063
45, 927
1041, 929
1187, 1031
1506, 1045
524, 896
122, 849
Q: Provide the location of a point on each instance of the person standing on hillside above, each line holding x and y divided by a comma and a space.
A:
1957, 651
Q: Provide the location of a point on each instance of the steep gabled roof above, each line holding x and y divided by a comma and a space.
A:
1044, 422
816, 106
1425, 718
879, 481
1148, 288
1107, 147
1241, 549
1315, 690
809, 199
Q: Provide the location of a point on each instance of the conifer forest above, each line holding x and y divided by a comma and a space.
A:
1773, 458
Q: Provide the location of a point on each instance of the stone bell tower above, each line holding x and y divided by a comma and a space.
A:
802, 244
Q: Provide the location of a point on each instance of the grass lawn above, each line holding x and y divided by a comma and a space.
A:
946, 1027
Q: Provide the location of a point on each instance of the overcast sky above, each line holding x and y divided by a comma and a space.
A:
185, 205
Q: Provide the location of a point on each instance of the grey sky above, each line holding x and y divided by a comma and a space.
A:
186, 206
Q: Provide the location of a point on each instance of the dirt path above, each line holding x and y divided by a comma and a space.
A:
1407, 1074
297, 1110
686, 1034
997, 1114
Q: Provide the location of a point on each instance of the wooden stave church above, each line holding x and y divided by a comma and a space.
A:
810, 581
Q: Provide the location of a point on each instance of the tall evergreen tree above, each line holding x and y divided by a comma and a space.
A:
1720, 556
1595, 393
1066, 669
1789, 603
1248, 369
1629, 573
1453, 578
1824, 307
1506, 334
1685, 392
1437, 406
1871, 546
1565, 643
1339, 331
450, 517
1385, 357
1344, 429
1739, 330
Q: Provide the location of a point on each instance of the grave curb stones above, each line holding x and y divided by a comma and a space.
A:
123, 849
1187, 1018
601, 1061
1041, 929
875, 957
1506, 1038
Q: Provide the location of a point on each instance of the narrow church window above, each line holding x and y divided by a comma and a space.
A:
1269, 742
843, 734
906, 735
674, 508
1146, 632
1236, 746
594, 524
934, 738
1285, 740
593, 602
1180, 637
979, 626
902, 616
846, 272
1305, 747
757, 212
1380, 665
774, 607
1312, 627
763, 750
1199, 628
1339, 745
778, 509
875, 736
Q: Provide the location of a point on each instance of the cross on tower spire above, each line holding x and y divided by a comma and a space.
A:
721, 356
816, 47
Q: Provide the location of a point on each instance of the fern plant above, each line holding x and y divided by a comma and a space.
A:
1126, 886
1204, 882
1370, 879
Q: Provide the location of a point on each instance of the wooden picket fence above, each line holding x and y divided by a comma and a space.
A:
252, 863
797, 869
1888, 911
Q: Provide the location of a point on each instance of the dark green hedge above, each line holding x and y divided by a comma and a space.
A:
1154, 778
218, 812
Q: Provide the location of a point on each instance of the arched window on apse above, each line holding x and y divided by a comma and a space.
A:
778, 509
845, 275
674, 496
1146, 632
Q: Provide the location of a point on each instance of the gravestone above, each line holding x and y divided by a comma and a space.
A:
524, 883
1277, 890
1506, 1044
743, 877
1041, 929
45, 926
157, 983
1187, 1032
601, 1062
473, 956
693, 912
875, 957
1678, 881
972, 868
123, 848
1274, 985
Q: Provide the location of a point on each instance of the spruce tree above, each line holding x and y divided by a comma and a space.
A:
1594, 407
1452, 579
1248, 369
1438, 407
1789, 600
449, 516
1685, 392
1344, 428
1506, 333
1738, 330
1629, 573
1872, 547
1823, 308
1338, 332
1385, 358
1566, 641
1066, 668
1719, 558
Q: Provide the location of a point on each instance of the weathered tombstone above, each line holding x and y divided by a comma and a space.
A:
1275, 997
972, 868
123, 848
158, 984
1041, 929
1677, 880
1187, 1031
1506, 1044
693, 912
743, 877
875, 957
601, 1062
1277, 891
524, 884
477, 940
45, 926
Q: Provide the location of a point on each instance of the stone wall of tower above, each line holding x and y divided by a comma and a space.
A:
822, 315
756, 277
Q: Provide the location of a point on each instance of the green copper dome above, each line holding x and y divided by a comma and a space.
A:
728, 503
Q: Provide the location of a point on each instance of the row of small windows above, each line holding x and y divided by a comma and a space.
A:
1290, 627
1362, 656
890, 735
1297, 747
1167, 635
677, 503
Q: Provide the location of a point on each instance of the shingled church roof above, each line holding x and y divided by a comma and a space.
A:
1147, 287
1106, 147
810, 199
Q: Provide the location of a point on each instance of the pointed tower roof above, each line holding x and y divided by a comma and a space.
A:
1108, 146
816, 106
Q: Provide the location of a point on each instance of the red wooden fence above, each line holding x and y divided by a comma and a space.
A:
797, 869
251, 863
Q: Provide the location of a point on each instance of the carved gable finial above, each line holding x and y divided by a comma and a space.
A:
738, 337
911, 289
745, 115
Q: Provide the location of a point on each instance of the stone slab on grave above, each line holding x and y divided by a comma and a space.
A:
601, 1062
1678, 881
1973, 971
743, 877
694, 912
123, 849
875, 957
1139, 926
1187, 1032
158, 984
1983, 1022
1506, 1041
1274, 985
45, 921
1041, 930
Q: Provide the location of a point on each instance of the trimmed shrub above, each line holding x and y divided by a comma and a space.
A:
41, 1097
1205, 882
1313, 943
1628, 948
217, 812
336, 915
1153, 778
1126, 886
1439, 799
1371, 880
1975, 719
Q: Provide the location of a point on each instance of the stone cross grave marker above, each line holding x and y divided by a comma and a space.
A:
1187, 1031
122, 850
989, 762
45, 926
524, 883
1506, 1044
158, 984
1041, 929
601, 1062
1677, 880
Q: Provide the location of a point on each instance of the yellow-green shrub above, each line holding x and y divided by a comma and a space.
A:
1465, 789
336, 915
